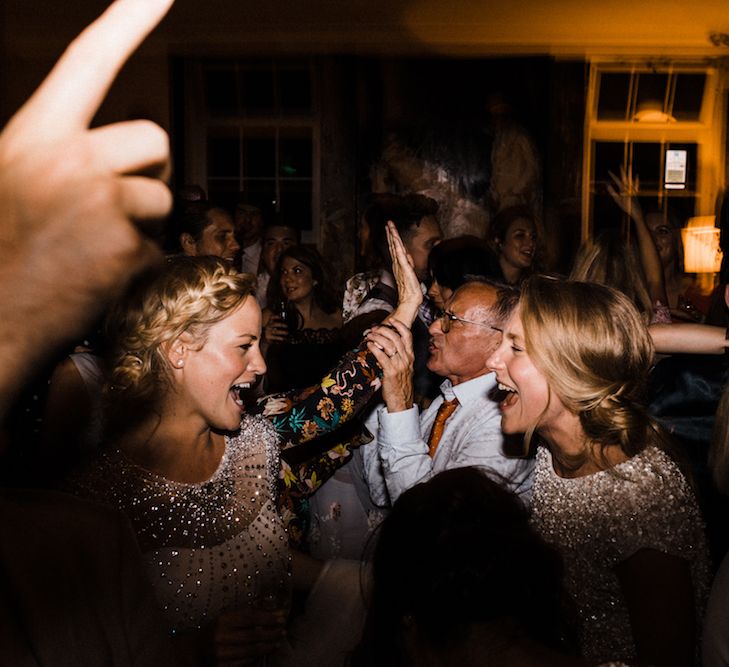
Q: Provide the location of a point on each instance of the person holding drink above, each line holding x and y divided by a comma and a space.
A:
302, 325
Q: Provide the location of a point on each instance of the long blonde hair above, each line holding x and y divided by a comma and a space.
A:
188, 295
613, 260
593, 347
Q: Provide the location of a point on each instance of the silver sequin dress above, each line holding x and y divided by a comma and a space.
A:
203, 543
600, 520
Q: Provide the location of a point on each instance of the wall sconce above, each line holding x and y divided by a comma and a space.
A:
651, 111
701, 251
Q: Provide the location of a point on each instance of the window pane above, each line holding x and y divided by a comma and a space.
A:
651, 92
221, 92
295, 204
261, 190
223, 152
223, 191
257, 97
647, 160
295, 91
691, 164
608, 158
296, 152
613, 97
689, 96
259, 152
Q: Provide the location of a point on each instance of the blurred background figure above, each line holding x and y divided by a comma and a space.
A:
456, 261
513, 236
515, 163
203, 228
276, 238
248, 222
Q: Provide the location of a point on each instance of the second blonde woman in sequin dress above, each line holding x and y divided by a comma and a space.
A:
607, 495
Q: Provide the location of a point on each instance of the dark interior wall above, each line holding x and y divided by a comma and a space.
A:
338, 132
439, 101
563, 160
438, 108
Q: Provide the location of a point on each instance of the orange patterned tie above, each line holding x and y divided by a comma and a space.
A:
436, 433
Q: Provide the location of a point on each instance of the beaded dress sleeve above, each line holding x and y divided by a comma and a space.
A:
203, 543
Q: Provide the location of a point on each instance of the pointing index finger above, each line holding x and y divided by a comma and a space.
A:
72, 92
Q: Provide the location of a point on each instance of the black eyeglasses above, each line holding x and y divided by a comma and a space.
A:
446, 317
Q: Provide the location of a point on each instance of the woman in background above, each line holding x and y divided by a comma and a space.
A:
513, 236
301, 347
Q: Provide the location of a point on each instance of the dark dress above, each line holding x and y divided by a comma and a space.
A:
302, 359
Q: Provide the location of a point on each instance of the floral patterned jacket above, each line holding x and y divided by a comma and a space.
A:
302, 416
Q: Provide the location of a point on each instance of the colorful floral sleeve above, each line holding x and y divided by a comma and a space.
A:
302, 415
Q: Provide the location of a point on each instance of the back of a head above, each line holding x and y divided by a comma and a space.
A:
406, 211
189, 217
611, 260
455, 261
592, 345
455, 552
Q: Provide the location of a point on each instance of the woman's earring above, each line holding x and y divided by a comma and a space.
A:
180, 363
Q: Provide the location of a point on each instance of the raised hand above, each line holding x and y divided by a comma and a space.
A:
392, 346
624, 192
71, 197
409, 291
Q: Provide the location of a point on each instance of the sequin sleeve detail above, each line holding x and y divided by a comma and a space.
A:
600, 520
203, 543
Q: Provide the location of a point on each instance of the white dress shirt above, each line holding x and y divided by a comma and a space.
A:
250, 258
398, 457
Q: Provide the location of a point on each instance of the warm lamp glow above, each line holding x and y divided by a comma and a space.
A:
701, 252
651, 111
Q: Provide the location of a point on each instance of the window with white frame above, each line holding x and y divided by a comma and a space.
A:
252, 127
662, 123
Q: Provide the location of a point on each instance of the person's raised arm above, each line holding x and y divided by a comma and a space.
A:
624, 194
688, 338
409, 292
71, 198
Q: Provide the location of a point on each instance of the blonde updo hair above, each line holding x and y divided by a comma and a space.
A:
188, 295
593, 347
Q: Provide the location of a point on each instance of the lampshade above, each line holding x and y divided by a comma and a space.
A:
701, 251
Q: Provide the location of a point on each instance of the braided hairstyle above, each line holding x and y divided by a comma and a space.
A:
594, 349
189, 295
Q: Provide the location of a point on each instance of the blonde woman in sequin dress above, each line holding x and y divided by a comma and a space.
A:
607, 495
194, 472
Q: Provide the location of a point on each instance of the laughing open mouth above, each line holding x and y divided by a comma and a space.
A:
236, 389
506, 395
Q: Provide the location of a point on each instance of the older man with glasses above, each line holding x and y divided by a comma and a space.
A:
462, 426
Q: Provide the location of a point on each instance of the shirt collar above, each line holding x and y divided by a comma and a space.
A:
469, 391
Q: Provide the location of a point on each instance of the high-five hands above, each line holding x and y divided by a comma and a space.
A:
392, 346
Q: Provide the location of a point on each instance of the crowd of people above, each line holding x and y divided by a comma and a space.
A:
457, 457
